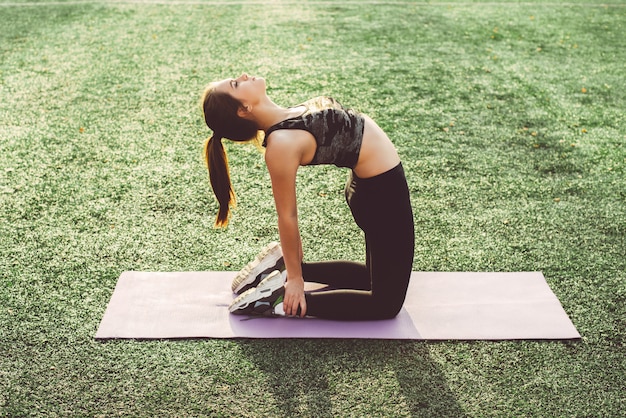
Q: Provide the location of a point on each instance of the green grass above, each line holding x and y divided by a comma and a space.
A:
509, 119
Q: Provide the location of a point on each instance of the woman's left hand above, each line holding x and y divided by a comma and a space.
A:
294, 297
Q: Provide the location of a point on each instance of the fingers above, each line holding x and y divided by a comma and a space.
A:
303, 307
292, 310
294, 302
288, 304
291, 307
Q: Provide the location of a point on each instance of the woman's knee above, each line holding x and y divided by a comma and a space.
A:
389, 309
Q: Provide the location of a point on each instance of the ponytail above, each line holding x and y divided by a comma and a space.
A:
221, 116
219, 175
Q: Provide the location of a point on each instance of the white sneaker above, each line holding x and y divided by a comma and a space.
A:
266, 299
269, 259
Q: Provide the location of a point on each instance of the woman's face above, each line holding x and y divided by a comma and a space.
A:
247, 89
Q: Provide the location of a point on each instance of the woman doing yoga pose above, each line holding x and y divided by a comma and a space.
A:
318, 131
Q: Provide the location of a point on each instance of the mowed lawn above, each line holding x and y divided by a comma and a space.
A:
509, 118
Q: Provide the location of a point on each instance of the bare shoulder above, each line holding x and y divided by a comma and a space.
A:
290, 144
280, 138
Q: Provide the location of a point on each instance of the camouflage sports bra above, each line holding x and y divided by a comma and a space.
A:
338, 131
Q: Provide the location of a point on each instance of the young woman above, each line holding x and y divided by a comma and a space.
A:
319, 131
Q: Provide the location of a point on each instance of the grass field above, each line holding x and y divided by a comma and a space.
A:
509, 118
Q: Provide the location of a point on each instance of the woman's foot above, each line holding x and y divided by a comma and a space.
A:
269, 259
266, 299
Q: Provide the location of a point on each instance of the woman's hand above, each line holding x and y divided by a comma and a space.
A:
294, 297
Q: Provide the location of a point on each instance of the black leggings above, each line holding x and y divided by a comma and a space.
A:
381, 207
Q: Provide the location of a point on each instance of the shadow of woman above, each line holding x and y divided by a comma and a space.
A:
326, 378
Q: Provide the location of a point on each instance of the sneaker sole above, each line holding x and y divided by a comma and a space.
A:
267, 258
279, 265
265, 289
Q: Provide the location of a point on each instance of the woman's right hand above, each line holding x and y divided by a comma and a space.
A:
294, 297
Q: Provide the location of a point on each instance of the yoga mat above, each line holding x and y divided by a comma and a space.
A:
438, 306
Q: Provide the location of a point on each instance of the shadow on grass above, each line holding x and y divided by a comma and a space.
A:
354, 377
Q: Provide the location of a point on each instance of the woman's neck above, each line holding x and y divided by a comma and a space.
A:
267, 114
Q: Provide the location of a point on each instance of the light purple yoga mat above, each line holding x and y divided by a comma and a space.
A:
439, 306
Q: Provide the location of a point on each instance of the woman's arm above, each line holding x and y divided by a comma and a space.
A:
283, 156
